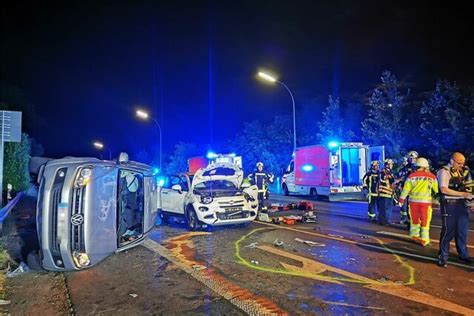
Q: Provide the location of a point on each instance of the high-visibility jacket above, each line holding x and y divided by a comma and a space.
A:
420, 186
460, 180
386, 183
370, 181
261, 180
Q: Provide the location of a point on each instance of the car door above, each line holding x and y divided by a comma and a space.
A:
151, 203
173, 200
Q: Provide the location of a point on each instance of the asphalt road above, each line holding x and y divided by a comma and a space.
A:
340, 265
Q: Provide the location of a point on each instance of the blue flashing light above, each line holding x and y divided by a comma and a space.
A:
161, 181
232, 155
211, 155
307, 168
156, 170
333, 144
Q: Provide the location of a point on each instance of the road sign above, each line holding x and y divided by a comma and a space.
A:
10, 126
10, 131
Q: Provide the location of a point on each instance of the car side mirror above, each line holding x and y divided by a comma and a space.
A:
177, 188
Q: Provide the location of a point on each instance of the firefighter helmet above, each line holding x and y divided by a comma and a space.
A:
388, 162
422, 163
375, 162
259, 164
412, 154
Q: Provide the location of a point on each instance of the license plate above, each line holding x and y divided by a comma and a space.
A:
233, 209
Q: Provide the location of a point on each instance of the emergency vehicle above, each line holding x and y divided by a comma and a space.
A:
334, 170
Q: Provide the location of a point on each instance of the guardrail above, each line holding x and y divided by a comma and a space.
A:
5, 211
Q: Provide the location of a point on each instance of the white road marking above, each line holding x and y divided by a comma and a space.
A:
385, 249
408, 238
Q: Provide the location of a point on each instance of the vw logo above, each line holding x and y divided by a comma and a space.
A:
77, 219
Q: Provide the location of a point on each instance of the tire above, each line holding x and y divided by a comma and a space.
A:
285, 190
192, 219
313, 193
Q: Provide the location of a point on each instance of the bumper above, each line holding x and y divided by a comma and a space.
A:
215, 216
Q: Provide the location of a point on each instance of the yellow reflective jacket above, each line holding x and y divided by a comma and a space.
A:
420, 186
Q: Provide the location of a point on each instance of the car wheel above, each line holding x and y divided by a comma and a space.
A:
285, 190
192, 220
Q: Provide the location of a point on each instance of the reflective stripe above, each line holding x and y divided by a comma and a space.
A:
425, 234
414, 230
371, 215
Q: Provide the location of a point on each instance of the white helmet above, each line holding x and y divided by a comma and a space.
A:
259, 164
422, 163
388, 161
412, 154
375, 162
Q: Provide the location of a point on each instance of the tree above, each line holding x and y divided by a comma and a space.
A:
178, 161
385, 124
331, 126
447, 120
271, 144
16, 164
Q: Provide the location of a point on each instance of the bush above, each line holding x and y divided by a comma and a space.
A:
16, 164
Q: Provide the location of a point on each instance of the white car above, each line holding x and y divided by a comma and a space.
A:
213, 196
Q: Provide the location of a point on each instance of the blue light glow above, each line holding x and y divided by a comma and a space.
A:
307, 168
232, 155
161, 181
211, 155
333, 144
156, 170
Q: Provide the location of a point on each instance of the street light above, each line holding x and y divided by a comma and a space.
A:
271, 79
100, 146
145, 116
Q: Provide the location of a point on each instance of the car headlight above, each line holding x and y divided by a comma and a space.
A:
81, 259
248, 197
206, 199
83, 177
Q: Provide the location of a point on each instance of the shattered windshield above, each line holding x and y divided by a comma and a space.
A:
215, 185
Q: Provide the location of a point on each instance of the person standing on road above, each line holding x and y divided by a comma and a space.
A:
261, 178
370, 183
386, 187
455, 181
421, 185
403, 174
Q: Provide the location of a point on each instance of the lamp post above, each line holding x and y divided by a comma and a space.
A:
271, 79
100, 146
141, 114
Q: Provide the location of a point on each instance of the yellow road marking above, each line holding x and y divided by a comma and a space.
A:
314, 268
382, 247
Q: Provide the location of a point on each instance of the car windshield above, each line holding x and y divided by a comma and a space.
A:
215, 185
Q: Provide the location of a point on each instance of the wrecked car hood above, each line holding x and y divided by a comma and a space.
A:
219, 171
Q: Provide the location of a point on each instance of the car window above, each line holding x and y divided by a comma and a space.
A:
184, 183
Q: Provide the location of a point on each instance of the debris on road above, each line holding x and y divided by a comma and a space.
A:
254, 262
311, 243
134, 295
278, 243
198, 267
252, 245
4, 302
450, 289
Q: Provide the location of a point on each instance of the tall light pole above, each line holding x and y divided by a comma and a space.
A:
145, 116
100, 146
271, 79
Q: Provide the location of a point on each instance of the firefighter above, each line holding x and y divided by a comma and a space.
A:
386, 189
403, 174
421, 185
370, 183
261, 178
455, 181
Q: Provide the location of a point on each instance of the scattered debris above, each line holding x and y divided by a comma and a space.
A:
309, 242
450, 289
364, 237
352, 259
4, 302
252, 245
254, 262
278, 243
134, 295
198, 267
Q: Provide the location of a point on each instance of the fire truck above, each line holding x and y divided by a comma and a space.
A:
334, 170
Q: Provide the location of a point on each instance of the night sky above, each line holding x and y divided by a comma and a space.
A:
85, 66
